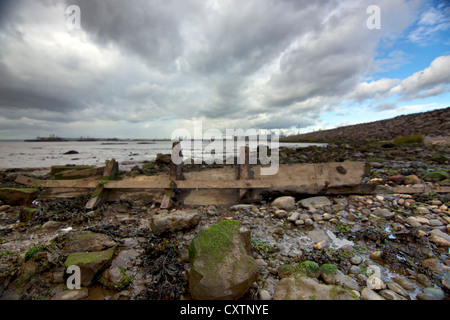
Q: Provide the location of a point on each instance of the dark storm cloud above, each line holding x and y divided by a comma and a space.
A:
266, 64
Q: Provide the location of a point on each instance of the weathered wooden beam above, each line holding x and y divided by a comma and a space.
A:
38, 183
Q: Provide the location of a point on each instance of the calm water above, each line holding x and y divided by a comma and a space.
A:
20, 154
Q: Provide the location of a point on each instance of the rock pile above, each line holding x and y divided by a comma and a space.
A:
431, 123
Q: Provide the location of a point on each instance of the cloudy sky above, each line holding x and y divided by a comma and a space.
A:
143, 68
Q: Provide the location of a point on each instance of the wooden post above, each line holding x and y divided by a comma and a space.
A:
100, 194
244, 171
176, 173
176, 169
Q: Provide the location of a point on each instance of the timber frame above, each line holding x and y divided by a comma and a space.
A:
221, 186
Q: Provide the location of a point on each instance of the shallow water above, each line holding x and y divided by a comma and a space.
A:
21, 154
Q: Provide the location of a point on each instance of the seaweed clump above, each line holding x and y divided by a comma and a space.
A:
162, 262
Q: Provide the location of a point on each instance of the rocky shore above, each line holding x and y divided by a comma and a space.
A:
370, 247
432, 124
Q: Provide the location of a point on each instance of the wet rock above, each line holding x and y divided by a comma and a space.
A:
404, 283
280, 214
377, 255
383, 213
440, 238
431, 293
397, 288
424, 280
446, 280
52, 225
375, 283
163, 159
315, 202
174, 221
88, 241
221, 267
434, 266
355, 260
391, 295
376, 165
413, 222
339, 278
369, 294
238, 207
75, 294
411, 179
303, 288
398, 179
264, 295
90, 263
285, 203
436, 176
294, 216
422, 210
71, 152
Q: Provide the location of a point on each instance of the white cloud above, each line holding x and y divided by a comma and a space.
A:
373, 89
427, 81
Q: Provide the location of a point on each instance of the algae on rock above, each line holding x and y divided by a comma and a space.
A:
221, 267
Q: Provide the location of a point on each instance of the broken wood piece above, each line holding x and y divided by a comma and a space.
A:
167, 199
101, 194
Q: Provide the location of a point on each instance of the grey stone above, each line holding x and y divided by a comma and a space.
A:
391, 295
75, 294
280, 214
440, 238
304, 288
315, 202
294, 216
397, 288
286, 203
383, 213
369, 294
446, 280
174, 221
264, 295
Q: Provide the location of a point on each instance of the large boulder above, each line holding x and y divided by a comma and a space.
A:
174, 221
221, 267
299, 287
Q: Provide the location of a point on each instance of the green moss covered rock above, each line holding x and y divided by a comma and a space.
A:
436, 176
90, 263
221, 267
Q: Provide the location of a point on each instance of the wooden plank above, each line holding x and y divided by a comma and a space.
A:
38, 183
79, 173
